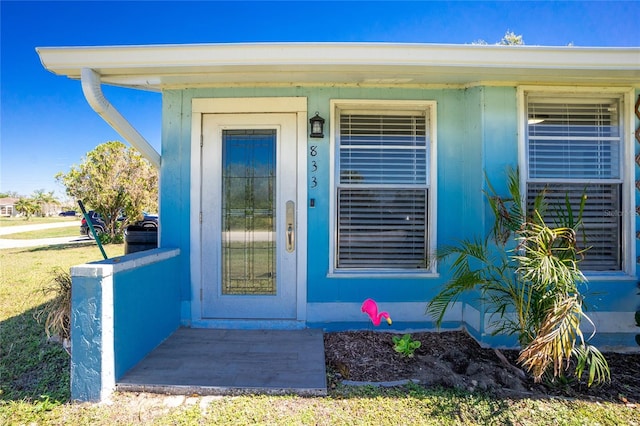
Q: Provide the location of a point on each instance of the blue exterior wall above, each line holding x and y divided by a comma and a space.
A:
476, 134
121, 309
146, 310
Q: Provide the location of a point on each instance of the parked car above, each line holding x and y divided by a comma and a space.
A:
67, 213
148, 220
96, 221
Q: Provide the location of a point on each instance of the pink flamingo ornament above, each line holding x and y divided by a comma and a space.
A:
370, 307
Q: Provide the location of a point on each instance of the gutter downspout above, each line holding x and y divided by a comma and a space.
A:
91, 87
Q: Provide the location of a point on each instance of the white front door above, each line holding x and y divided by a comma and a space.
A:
249, 216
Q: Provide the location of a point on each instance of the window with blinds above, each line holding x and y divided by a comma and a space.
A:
383, 190
574, 147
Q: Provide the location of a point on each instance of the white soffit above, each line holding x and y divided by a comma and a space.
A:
157, 67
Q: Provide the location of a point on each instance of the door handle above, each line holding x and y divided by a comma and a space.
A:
291, 226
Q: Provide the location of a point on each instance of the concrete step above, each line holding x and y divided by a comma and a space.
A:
221, 362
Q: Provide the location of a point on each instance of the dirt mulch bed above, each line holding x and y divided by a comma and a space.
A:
455, 360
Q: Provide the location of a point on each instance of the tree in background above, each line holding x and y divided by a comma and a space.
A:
27, 206
44, 201
40, 203
508, 39
9, 194
114, 180
511, 39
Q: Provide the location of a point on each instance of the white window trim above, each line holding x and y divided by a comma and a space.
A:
430, 107
627, 167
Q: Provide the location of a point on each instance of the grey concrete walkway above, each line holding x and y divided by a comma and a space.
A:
6, 243
5, 230
212, 362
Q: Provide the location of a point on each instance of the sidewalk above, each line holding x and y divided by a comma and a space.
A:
5, 230
7, 243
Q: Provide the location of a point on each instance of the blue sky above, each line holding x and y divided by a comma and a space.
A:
46, 126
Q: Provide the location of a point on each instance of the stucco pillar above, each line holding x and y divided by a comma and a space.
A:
92, 343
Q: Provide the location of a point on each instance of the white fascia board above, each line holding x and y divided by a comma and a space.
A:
146, 66
201, 55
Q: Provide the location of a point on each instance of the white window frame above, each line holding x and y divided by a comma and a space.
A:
430, 109
627, 166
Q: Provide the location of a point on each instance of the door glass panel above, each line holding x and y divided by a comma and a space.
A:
248, 212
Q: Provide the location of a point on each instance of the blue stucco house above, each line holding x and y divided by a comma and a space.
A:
266, 223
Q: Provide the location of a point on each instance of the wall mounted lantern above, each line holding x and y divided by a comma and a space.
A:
317, 126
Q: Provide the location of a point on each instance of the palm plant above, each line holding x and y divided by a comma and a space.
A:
27, 206
530, 282
43, 199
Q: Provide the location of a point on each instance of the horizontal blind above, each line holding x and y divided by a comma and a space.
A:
383, 149
382, 228
574, 139
601, 219
382, 190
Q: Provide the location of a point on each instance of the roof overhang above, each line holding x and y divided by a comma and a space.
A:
158, 67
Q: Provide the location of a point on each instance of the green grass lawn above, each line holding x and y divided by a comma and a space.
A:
34, 380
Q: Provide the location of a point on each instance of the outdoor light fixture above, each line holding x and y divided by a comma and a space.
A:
317, 126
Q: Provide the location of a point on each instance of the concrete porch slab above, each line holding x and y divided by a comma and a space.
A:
214, 362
